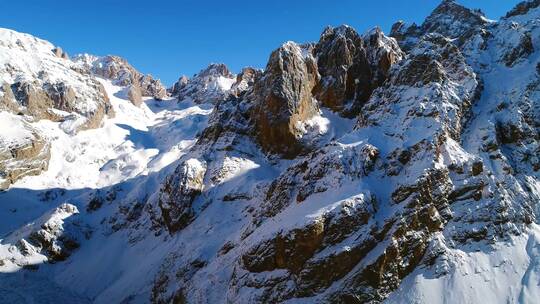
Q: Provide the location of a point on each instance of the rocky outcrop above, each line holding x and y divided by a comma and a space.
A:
23, 150
39, 100
55, 235
342, 63
178, 193
121, 73
382, 53
58, 52
523, 8
283, 98
134, 95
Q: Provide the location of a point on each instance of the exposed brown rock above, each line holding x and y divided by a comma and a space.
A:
283, 98
351, 67
37, 101
134, 94
288, 251
7, 100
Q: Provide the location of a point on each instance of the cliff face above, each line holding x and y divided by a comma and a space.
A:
357, 169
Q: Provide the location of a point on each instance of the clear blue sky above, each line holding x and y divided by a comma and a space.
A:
170, 38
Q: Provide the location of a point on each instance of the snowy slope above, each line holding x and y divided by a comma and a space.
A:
127, 150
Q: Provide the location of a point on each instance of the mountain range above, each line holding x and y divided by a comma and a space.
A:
361, 168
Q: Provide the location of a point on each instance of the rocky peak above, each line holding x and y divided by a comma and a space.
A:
453, 20
178, 85
122, 73
211, 84
352, 66
449, 19
382, 52
340, 58
283, 98
216, 70
245, 80
523, 8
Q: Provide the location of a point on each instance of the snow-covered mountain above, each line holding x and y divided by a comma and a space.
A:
362, 168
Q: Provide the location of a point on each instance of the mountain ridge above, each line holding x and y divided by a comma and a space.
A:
357, 169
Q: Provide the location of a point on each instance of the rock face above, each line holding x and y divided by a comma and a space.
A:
209, 85
340, 71
283, 98
522, 8
352, 66
122, 73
